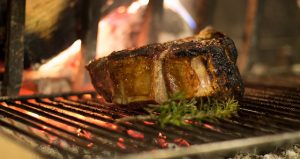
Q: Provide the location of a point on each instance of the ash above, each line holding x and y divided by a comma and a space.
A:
292, 152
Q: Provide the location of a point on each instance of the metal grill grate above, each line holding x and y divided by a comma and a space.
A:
77, 125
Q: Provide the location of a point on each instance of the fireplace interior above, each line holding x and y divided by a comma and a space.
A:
49, 109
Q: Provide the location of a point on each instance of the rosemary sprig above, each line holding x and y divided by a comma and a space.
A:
178, 109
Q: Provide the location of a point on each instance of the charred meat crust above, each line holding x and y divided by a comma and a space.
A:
128, 76
100, 77
222, 54
151, 51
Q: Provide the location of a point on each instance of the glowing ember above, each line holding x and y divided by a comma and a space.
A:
75, 114
78, 132
87, 96
51, 139
192, 122
161, 135
135, 134
94, 121
31, 100
181, 142
90, 145
54, 123
162, 140
18, 102
162, 143
121, 139
4, 104
73, 97
26, 112
211, 127
91, 120
148, 123
27, 90
121, 145
84, 133
33, 114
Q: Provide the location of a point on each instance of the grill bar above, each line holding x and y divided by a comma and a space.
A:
87, 126
83, 122
36, 139
224, 148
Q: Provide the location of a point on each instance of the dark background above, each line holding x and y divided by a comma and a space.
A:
278, 35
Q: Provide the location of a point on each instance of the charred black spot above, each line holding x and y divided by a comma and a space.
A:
149, 51
186, 53
191, 52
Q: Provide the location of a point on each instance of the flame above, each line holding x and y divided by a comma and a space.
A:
112, 37
135, 6
54, 65
177, 7
60, 74
174, 5
65, 64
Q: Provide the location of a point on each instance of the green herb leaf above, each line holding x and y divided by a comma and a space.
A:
178, 109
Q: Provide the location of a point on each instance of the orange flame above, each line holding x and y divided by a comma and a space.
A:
54, 66
65, 65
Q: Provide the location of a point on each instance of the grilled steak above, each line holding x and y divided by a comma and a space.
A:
198, 66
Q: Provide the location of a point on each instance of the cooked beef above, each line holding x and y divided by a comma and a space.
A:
198, 66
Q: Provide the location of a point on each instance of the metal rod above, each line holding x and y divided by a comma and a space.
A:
15, 97
223, 148
253, 14
263, 111
14, 56
36, 138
